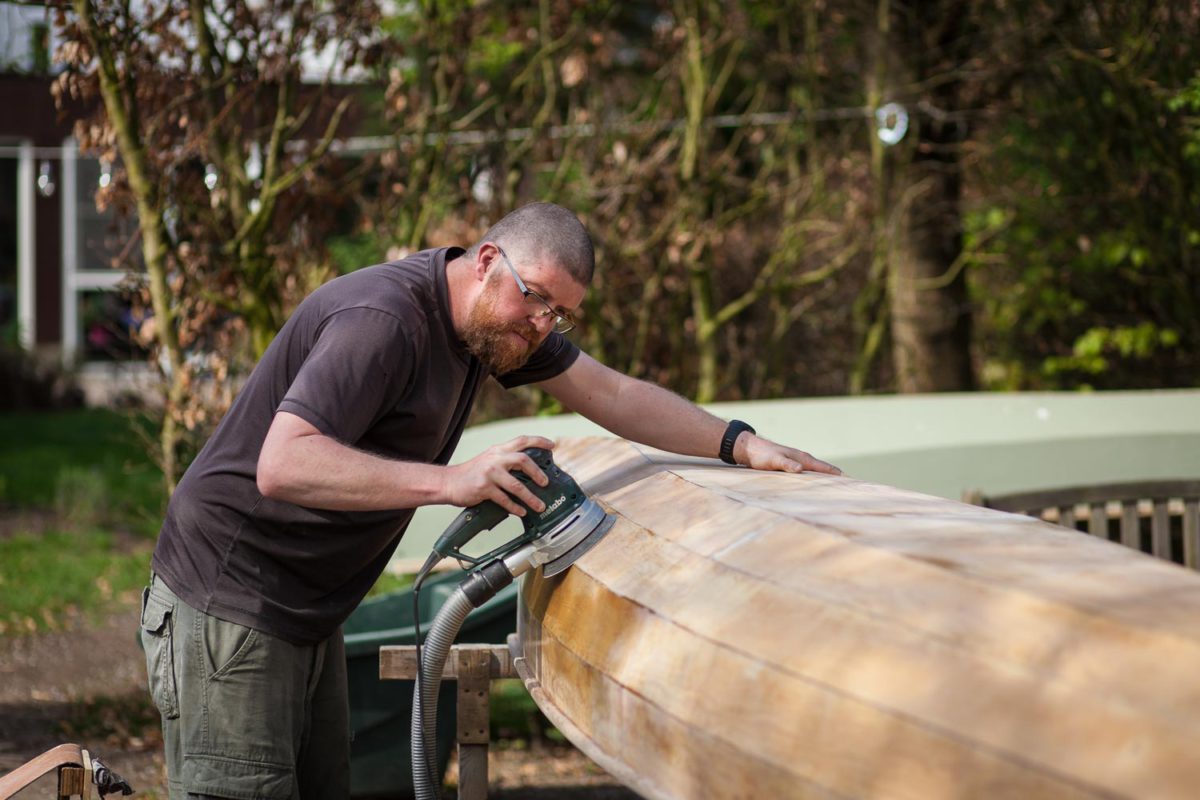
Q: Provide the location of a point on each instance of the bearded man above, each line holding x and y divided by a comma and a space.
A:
291, 511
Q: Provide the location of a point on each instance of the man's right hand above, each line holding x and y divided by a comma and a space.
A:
488, 476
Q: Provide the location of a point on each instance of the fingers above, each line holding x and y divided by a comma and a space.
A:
765, 454
533, 441
500, 485
490, 476
519, 490
502, 493
817, 465
799, 461
523, 462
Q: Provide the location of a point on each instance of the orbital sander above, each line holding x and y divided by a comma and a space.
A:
555, 538
558, 536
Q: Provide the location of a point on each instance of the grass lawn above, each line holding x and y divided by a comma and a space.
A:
80, 504
90, 456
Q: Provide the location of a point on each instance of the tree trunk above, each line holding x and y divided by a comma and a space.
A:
927, 288
694, 78
121, 105
870, 312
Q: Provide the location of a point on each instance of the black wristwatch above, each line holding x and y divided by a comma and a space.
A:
735, 429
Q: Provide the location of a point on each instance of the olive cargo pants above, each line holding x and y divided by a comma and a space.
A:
245, 715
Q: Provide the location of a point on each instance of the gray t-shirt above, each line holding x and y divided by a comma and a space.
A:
370, 359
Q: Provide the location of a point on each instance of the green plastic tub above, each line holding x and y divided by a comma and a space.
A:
381, 711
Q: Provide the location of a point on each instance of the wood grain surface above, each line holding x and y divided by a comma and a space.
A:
741, 634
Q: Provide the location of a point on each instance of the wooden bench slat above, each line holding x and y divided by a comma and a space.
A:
1098, 520
1131, 535
1160, 530
1066, 515
1191, 533
1140, 490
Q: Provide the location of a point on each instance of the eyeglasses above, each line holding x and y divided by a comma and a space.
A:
562, 322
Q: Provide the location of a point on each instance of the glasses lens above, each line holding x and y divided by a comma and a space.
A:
563, 325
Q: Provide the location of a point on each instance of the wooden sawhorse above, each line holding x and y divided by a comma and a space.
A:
474, 666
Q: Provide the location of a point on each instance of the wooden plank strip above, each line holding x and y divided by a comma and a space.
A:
399, 662
472, 771
474, 679
74, 782
474, 691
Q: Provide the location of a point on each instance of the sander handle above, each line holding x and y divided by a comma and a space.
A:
476, 519
469, 523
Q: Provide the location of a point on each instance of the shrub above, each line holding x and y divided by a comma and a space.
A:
32, 385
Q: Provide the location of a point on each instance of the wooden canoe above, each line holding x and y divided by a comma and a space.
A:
741, 634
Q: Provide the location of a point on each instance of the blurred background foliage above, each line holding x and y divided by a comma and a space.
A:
1035, 226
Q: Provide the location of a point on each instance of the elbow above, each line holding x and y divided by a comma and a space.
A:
267, 486
270, 477
278, 473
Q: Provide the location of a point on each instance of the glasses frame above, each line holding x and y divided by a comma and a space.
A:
562, 321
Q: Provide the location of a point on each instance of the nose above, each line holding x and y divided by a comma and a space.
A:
543, 322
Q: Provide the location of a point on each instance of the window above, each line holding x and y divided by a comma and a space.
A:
99, 248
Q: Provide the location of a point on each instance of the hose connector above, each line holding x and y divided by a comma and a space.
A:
485, 582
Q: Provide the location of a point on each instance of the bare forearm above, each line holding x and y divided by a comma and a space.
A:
649, 414
652, 415
298, 464
319, 472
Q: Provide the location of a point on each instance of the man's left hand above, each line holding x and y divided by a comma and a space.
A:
759, 453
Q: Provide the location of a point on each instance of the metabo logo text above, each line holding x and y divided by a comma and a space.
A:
552, 506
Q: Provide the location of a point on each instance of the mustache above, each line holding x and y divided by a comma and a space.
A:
525, 330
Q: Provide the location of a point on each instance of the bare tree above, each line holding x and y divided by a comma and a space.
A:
223, 153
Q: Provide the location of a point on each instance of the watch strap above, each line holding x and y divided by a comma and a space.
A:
732, 432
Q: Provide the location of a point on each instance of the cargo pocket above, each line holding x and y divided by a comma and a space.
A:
160, 652
226, 646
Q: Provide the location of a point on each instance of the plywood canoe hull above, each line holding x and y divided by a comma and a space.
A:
745, 634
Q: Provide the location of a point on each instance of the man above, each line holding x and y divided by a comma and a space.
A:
293, 508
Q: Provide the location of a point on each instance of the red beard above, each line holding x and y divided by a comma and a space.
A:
493, 343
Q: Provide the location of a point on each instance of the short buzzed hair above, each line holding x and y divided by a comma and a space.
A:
545, 232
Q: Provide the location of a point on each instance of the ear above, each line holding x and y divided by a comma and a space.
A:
485, 256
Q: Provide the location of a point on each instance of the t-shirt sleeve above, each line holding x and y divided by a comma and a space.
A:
358, 368
551, 359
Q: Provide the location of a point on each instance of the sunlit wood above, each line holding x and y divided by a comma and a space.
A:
748, 634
